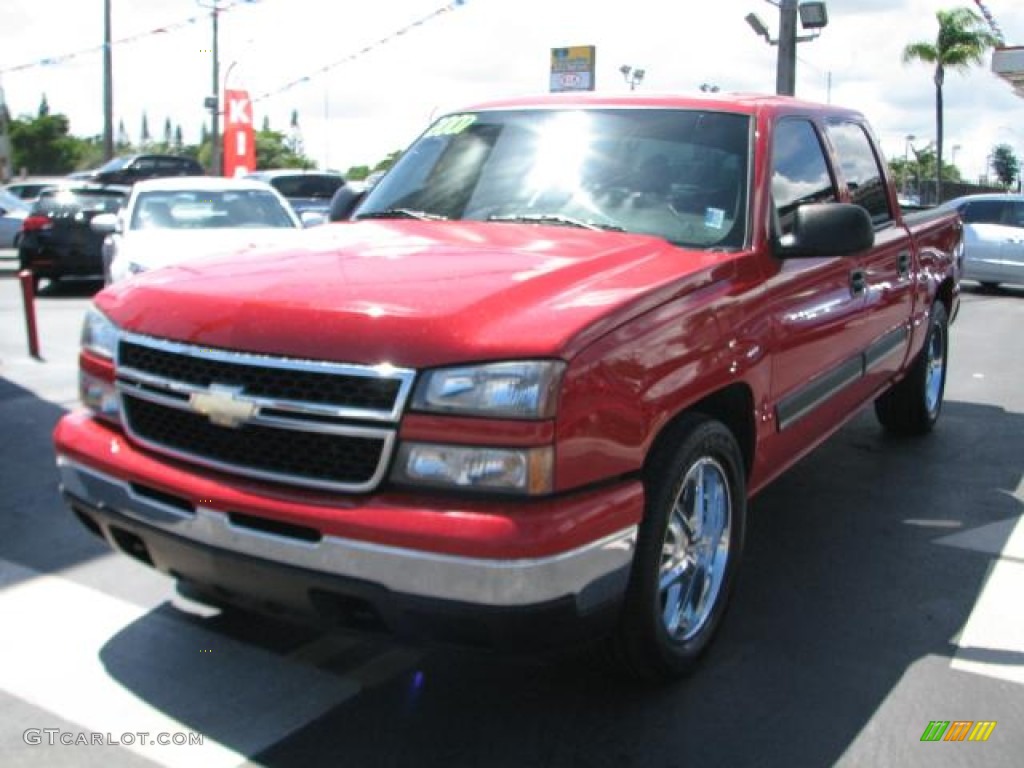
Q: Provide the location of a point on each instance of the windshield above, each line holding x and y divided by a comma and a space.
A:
209, 209
677, 174
114, 165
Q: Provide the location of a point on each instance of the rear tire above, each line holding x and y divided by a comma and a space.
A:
688, 552
912, 406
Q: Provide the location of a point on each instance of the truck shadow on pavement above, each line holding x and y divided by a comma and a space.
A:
845, 590
36, 529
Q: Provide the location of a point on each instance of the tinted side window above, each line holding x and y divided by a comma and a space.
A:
861, 169
799, 171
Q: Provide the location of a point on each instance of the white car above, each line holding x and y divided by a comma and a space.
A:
993, 237
172, 220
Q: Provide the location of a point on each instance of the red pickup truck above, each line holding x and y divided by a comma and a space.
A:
523, 393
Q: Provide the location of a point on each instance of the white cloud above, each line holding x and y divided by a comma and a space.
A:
361, 110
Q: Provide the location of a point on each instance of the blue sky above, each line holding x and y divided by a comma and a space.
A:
380, 99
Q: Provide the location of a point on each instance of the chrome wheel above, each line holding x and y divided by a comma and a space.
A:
935, 372
695, 551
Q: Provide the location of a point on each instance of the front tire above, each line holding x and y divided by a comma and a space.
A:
912, 406
688, 551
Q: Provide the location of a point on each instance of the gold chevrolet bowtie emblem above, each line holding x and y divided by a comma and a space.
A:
222, 406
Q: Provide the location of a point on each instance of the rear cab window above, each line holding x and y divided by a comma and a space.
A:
861, 169
68, 202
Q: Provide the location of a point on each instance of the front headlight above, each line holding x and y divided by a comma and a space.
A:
514, 390
517, 470
96, 380
99, 334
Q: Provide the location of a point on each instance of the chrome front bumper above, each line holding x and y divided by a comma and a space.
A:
483, 582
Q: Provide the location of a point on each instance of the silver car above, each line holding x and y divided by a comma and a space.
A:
12, 213
993, 237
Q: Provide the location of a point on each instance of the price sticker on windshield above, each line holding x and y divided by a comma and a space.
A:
450, 125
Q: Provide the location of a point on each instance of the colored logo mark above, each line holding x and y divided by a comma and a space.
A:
958, 730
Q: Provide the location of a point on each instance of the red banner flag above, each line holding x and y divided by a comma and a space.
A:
239, 136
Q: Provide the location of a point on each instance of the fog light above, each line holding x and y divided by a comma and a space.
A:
99, 396
526, 471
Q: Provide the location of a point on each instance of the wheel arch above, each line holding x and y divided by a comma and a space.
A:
732, 405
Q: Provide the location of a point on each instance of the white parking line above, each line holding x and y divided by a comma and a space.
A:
992, 640
112, 667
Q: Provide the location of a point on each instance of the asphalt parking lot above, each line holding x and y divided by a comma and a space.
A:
880, 592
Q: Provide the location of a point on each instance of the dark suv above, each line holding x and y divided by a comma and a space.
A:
131, 168
305, 190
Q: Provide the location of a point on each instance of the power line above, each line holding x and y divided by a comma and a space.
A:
49, 61
451, 6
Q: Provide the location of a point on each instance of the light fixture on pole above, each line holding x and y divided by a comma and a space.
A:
212, 103
709, 88
632, 76
813, 16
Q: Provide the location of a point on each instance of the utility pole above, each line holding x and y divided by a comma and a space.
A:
215, 167
785, 77
108, 85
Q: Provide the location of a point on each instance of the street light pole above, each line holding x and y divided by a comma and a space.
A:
785, 76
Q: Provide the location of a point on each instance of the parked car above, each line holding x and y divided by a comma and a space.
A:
167, 221
29, 188
305, 190
57, 240
12, 214
993, 237
129, 169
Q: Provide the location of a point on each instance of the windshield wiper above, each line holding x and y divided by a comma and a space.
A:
402, 213
556, 218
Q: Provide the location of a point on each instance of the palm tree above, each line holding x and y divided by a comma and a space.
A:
963, 40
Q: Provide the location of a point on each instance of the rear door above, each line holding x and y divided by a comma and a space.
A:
883, 275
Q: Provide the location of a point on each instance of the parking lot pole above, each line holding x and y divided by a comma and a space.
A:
28, 294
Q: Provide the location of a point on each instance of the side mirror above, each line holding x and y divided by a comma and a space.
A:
104, 223
312, 218
827, 229
344, 203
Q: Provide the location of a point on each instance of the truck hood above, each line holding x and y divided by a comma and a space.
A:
414, 293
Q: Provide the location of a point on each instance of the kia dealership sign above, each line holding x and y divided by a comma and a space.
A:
239, 136
572, 69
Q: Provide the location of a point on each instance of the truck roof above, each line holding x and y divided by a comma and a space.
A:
748, 103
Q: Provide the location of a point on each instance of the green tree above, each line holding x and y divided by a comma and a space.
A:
90, 152
144, 136
962, 42
123, 143
357, 172
387, 162
1005, 164
168, 134
44, 107
44, 144
272, 151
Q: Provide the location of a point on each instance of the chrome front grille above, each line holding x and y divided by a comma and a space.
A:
300, 422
